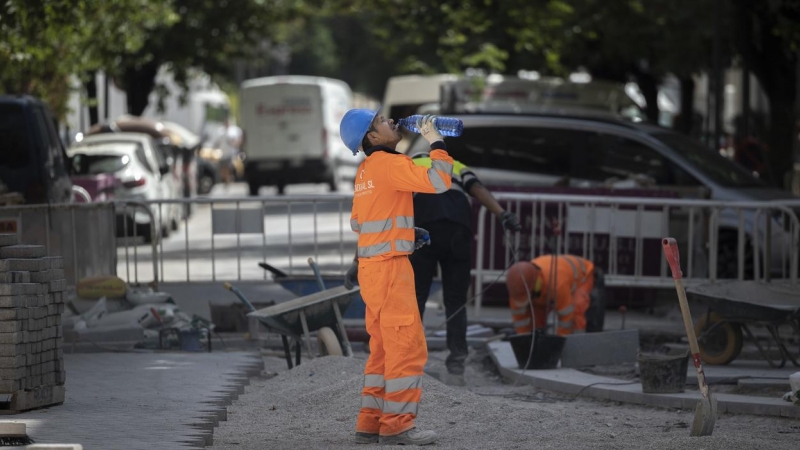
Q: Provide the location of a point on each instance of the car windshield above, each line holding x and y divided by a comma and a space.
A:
13, 140
83, 164
720, 169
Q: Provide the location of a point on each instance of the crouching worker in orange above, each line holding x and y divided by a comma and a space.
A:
383, 217
567, 281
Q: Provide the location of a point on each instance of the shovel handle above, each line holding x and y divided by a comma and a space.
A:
673, 256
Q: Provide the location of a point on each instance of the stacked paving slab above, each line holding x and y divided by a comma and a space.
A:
32, 293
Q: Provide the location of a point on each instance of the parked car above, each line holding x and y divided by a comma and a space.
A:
591, 150
33, 161
168, 141
142, 175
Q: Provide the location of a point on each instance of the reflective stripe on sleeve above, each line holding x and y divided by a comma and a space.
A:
368, 401
437, 182
563, 324
355, 226
400, 384
373, 381
402, 245
375, 250
405, 221
444, 166
519, 311
376, 226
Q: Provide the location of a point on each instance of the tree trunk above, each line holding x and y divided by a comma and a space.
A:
91, 97
781, 137
686, 117
139, 82
649, 87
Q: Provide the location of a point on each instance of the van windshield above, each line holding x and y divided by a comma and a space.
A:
715, 166
13, 139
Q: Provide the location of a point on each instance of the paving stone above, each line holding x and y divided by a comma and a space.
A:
58, 285
54, 262
20, 289
13, 301
42, 277
19, 264
603, 348
13, 374
12, 362
9, 386
13, 313
22, 251
9, 239
12, 338
10, 326
15, 277
14, 349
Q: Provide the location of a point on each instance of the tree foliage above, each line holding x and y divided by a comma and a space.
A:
44, 42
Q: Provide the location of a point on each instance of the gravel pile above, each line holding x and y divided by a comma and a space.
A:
315, 405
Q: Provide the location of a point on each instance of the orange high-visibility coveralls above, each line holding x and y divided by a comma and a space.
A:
383, 217
569, 287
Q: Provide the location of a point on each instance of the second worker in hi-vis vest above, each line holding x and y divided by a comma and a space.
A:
383, 217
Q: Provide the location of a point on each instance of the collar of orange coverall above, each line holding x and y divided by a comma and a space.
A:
381, 148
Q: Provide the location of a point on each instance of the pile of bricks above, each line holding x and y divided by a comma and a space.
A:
32, 294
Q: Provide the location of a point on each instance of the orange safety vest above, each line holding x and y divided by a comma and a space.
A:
383, 205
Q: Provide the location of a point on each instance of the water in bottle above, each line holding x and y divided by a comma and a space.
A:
446, 126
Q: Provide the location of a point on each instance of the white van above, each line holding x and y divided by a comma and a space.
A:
291, 131
405, 94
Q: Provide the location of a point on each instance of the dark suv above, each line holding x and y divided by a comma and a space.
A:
34, 162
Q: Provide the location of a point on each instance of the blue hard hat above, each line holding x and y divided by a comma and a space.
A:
354, 127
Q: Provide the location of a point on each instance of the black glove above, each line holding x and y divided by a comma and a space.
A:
351, 277
421, 237
510, 221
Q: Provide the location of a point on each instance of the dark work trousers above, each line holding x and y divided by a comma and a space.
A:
450, 247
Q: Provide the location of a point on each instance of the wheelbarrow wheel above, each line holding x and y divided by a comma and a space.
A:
720, 341
328, 343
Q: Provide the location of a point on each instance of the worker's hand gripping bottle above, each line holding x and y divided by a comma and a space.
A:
446, 126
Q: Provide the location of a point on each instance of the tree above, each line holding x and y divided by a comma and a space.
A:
44, 42
773, 54
207, 35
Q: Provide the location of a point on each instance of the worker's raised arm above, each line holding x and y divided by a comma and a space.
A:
407, 176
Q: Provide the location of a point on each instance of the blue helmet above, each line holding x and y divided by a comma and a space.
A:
354, 127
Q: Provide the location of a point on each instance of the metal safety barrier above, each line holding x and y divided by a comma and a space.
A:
226, 238
621, 235
82, 233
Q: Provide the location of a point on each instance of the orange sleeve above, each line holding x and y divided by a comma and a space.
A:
407, 176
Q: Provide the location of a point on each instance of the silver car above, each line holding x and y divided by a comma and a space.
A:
596, 151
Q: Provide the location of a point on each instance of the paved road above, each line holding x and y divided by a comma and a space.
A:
130, 401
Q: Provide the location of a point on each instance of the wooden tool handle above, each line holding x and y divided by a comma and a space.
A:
673, 256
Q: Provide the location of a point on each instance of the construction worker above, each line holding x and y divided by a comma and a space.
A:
448, 219
564, 283
383, 217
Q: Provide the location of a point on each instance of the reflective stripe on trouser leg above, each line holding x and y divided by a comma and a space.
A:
371, 409
397, 346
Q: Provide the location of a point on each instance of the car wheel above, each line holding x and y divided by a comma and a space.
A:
253, 187
281, 189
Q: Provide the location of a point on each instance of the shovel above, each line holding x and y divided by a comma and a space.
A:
705, 415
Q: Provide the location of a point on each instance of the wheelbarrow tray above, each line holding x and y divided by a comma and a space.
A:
749, 301
284, 318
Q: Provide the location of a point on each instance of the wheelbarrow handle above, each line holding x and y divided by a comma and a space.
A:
673, 256
239, 294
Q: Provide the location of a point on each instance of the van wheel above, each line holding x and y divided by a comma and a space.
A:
254, 187
281, 189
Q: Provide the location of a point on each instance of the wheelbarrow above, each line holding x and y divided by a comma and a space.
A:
298, 318
734, 306
306, 284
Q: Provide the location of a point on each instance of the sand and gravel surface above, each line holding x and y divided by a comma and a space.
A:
315, 404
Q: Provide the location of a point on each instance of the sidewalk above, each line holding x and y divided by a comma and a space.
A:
158, 401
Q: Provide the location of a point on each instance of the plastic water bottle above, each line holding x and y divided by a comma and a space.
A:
446, 126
